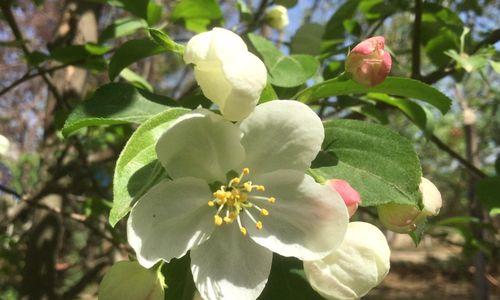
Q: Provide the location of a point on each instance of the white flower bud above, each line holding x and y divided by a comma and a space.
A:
276, 16
228, 74
469, 116
4, 145
129, 280
360, 263
405, 218
431, 198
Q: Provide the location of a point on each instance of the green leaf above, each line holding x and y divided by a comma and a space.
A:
121, 28
284, 71
307, 39
397, 86
411, 109
136, 79
162, 39
488, 192
130, 52
196, 14
287, 281
179, 279
137, 167
115, 103
268, 94
144, 9
335, 26
379, 163
88, 56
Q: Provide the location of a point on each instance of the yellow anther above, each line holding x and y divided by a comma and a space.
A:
235, 180
258, 225
248, 186
271, 199
228, 220
243, 230
211, 203
260, 188
246, 171
221, 195
217, 220
264, 212
228, 194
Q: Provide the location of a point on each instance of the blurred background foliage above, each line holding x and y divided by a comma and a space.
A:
56, 193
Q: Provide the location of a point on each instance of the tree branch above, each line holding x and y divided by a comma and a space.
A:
9, 17
29, 76
415, 49
441, 145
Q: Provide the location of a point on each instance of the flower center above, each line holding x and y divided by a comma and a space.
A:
234, 198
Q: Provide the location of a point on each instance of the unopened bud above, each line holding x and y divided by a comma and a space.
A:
360, 263
348, 193
404, 218
469, 116
130, 280
277, 17
368, 62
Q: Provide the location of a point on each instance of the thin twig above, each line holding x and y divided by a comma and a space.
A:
29, 76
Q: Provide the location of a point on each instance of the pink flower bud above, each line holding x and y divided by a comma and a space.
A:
368, 62
349, 195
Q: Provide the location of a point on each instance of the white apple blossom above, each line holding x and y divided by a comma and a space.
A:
277, 17
4, 145
129, 280
404, 218
360, 263
228, 74
231, 222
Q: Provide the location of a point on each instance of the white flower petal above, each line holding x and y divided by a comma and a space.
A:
281, 134
357, 266
307, 221
230, 266
198, 47
200, 144
247, 76
171, 218
225, 43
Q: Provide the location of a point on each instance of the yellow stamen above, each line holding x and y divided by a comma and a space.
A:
243, 230
258, 225
217, 220
260, 188
271, 199
211, 203
246, 171
264, 212
228, 220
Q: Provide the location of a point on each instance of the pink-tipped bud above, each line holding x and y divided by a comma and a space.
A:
349, 195
368, 62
